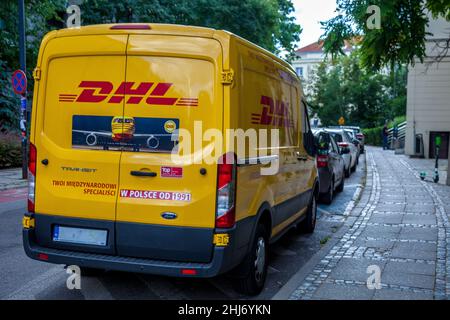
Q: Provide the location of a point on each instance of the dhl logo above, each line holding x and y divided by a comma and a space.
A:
274, 113
99, 91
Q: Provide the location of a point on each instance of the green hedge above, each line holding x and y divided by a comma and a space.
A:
373, 135
10, 150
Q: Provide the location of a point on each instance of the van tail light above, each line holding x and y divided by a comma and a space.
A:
226, 191
359, 136
32, 156
343, 144
322, 161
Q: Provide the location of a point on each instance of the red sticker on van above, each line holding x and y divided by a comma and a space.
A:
98, 91
171, 172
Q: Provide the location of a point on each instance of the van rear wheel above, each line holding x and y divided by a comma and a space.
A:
252, 272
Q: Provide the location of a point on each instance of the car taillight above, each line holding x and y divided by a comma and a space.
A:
322, 161
343, 144
359, 136
226, 191
32, 156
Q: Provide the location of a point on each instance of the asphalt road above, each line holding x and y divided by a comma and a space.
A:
23, 278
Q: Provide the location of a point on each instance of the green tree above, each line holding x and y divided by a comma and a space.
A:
343, 87
268, 23
41, 17
399, 41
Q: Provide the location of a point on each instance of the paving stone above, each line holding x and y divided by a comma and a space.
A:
419, 219
343, 292
410, 267
386, 218
411, 233
391, 294
354, 269
408, 280
374, 243
390, 207
420, 208
381, 232
426, 251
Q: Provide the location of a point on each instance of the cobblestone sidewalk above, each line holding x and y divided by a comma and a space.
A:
400, 226
11, 179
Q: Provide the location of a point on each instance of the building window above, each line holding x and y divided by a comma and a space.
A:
299, 71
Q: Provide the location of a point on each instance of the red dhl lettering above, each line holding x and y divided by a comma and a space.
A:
274, 113
132, 92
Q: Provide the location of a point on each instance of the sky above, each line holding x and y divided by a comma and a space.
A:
308, 14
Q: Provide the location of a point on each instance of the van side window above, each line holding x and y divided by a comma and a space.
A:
308, 137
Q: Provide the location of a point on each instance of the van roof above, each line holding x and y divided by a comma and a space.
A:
157, 28
137, 28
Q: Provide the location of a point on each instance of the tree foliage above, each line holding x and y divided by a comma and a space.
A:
345, 88
268, 23
401, 38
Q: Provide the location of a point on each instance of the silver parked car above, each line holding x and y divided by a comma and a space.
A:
345, 142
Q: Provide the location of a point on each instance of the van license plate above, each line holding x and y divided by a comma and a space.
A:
80, 235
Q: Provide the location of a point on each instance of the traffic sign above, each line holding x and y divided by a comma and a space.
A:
19, 82
341, 121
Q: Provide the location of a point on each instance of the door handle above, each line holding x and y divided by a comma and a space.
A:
138, 173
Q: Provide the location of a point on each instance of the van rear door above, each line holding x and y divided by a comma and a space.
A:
73, 128
166, 208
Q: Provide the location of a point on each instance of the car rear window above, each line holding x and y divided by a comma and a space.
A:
337, 137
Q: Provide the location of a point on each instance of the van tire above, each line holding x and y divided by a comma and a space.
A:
252, 272
309, 223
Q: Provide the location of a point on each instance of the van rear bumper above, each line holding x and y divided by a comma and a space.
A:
222, 260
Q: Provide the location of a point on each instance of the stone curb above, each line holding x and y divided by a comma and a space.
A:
286, 291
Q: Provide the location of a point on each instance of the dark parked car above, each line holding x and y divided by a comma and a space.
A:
330, 164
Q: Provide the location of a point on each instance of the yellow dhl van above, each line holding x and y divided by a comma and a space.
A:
102, 197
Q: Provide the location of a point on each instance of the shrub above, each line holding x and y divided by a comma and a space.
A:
10, 150
373, 136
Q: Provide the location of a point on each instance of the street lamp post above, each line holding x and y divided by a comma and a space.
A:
23, 67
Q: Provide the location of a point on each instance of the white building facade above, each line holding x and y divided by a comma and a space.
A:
310, 57
428, 100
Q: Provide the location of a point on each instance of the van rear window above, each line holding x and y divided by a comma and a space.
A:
124, 133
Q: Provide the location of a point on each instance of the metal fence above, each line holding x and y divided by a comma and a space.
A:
401, 133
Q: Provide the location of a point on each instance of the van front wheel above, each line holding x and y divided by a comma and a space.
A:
253, 270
